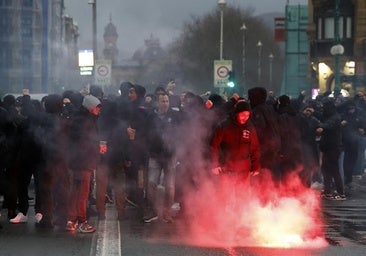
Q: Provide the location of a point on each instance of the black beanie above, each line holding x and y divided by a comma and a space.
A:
140, 90
53, 103
216, 99
96, 91
242, 106
284, 100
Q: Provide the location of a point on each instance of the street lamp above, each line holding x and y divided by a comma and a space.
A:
222, 4
244, 29
337, 50
94, 6
259, 45
271, 56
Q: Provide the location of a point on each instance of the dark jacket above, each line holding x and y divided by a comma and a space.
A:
331, 138
162, 137
84, 141
355, 120
265, 120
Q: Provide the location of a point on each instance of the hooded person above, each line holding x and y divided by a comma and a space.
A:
137, 145
125, 88
123, 101
235, 146
257, 96
265, 120
53, 175
76, 99
330, 145
289, 120
96, 91
282, 103
53, 104
137, 94
8, 151
235, 155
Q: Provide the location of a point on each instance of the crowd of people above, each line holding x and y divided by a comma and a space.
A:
149, 149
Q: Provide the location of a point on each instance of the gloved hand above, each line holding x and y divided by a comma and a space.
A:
216, 170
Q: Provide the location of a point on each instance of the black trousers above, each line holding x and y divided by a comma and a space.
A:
330, 170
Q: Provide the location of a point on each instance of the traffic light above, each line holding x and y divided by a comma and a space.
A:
231, 79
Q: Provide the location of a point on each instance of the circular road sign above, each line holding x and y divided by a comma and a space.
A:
222, 71
103, 70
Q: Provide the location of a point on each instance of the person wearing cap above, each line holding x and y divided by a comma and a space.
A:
84, 155
235, 147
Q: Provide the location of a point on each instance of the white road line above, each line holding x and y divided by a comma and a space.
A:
108, 237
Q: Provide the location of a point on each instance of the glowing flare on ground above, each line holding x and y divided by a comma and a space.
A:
231, 215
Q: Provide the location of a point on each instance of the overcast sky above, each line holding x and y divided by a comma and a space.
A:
136, 20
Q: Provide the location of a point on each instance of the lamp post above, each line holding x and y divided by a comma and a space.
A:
337, 50
259, 45
244, 29
222, 4
94, 10
271, 56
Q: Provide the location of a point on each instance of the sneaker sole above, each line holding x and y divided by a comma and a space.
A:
18, 222
151, 219
86, 232
339, 199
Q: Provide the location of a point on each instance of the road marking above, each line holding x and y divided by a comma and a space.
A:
108, 237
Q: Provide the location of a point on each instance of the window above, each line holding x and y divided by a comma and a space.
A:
326, 28
320, 28
348, 27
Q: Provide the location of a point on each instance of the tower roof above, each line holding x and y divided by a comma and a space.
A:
110, 29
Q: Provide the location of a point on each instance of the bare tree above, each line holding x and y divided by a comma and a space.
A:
198, 46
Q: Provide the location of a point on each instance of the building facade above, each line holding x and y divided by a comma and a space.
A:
32, 45
337, 49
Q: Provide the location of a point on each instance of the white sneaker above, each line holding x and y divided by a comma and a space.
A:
20, 218
38, 217
317, 186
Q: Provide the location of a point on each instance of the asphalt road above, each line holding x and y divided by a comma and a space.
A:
344, 227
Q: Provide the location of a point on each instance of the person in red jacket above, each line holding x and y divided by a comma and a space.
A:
235, 147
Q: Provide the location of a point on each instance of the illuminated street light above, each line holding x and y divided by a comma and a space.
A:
222, 4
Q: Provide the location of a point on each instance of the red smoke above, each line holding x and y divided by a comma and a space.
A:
223, 213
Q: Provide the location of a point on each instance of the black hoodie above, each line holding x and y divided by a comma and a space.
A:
331, 138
